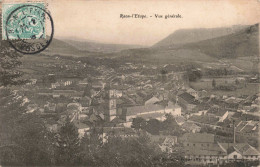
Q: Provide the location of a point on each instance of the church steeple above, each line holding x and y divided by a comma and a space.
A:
111, 103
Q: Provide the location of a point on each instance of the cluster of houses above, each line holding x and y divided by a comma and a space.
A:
112, 102
202, 148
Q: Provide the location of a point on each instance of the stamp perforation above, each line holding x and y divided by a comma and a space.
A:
16, 3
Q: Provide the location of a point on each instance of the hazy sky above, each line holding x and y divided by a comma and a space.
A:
100, 20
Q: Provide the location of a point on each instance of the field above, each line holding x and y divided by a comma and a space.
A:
206, 84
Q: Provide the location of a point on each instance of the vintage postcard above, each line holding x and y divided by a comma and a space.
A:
129, 83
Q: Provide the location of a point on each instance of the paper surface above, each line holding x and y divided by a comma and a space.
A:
129, 83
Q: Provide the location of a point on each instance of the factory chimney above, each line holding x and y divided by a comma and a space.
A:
234, 133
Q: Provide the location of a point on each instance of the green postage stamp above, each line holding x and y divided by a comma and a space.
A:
23, 21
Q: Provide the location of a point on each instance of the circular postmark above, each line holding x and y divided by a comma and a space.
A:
29, 29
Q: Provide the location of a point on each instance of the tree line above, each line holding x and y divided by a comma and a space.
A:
25, 140
153, 126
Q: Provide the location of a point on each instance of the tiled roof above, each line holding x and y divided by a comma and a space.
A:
80, 125
243, 148
247, 129
190, 126
180, 119
202, 106
249, 150
159, 139
117, 120
204, 119
152, 100
188, 98
135, 110
118, 130
213, 149
152, 115
198, 138
237, 115
219, 112
232, 149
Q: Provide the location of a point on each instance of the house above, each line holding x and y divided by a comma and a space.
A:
95, 91
192, 92
197, 139
168, 144
52, 127
249, 128
49, 107
233, 153
65, 83
85, 102
122, 132
61, 107
191, 127
187, 101
204, 154
199, 113
83, 83
98, 84
74, 110
242, 151
66, 93
82, 128
173, 109
118, 93
180, 120
31, 108
151, 111
158, 116
151, 101
83, 116
165, 142
219, 113
225, 127
202, 93
207, 120
55, 85
200, 150
31, 82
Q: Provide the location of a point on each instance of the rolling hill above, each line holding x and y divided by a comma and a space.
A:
99, 47
60, 47
184, 36
240, 44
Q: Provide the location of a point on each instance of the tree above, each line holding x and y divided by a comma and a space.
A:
214, 83
237, 82
170, 126
163, 75
138, 123
68, 144
91, 147
153, 126
225, 71
10, 110
87, 90
138, 151
193, 74
9, 61
37, 142
24, 138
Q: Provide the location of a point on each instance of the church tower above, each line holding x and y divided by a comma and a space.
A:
110, 113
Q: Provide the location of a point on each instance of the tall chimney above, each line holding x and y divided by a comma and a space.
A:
234, 133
